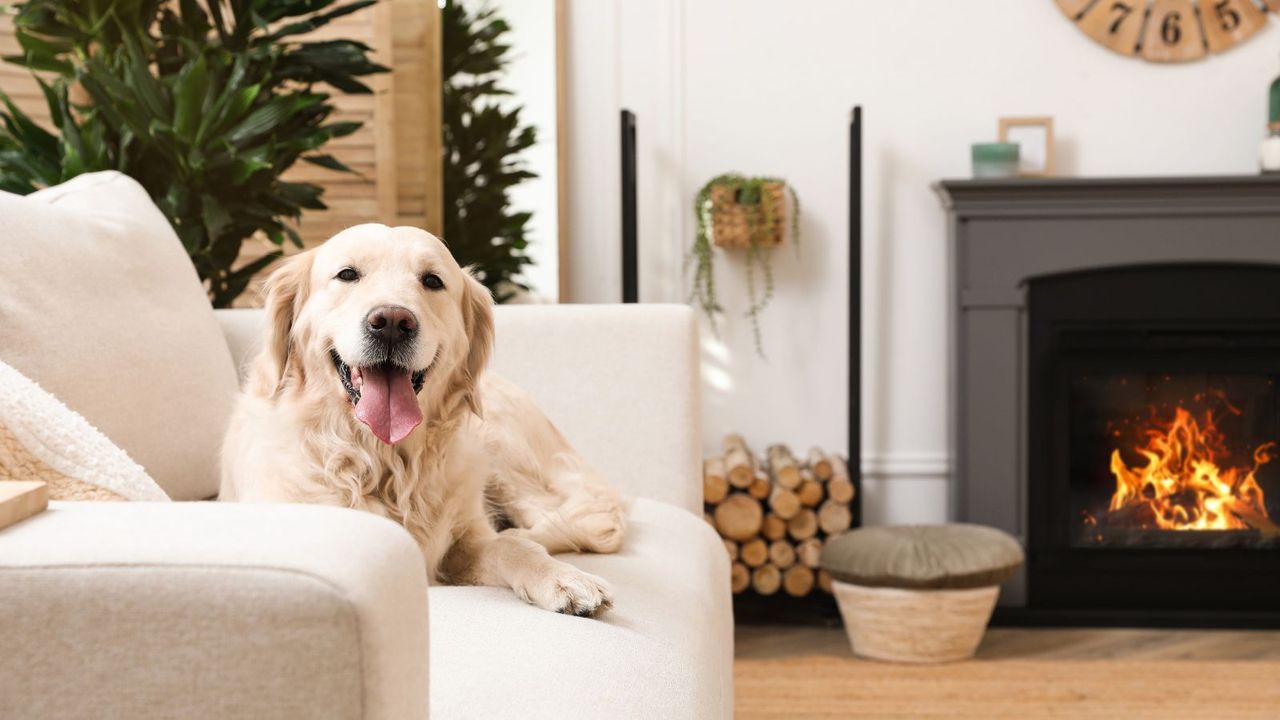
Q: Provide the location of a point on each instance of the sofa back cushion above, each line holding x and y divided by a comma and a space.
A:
621, 383
100, 305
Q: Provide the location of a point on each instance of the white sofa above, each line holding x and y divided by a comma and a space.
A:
216, 610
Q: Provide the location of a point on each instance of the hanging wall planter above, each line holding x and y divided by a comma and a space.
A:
742, 214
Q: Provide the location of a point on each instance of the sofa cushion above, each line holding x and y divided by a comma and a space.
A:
101, 306
665, 649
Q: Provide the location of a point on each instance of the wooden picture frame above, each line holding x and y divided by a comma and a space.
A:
1034, 138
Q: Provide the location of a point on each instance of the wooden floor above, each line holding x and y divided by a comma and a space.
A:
1018, 673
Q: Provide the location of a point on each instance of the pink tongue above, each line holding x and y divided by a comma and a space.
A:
387, 403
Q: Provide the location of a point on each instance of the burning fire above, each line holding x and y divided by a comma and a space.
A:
1182, 486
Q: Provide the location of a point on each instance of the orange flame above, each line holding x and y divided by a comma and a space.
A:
1182, 484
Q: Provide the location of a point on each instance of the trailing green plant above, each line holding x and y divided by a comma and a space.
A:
747, 191
205, 103
483, 142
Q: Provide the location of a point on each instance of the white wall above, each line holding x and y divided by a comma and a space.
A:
766, 87
531, 77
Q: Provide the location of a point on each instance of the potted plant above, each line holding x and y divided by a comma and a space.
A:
750, 214
485, 139
206, 105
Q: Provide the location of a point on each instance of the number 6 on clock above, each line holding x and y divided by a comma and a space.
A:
1172, 34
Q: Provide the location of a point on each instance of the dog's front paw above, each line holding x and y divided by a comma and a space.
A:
565, 589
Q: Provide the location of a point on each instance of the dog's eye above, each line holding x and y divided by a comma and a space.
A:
348, 275
432, 281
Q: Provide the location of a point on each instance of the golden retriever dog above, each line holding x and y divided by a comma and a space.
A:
370, 392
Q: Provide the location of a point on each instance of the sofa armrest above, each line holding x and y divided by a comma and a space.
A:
211, 610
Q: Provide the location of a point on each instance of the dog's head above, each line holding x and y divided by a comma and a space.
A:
371, 318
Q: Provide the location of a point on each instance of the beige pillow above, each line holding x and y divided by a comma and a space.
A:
41, 439
100, 305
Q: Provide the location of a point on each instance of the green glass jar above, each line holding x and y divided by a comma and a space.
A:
994, 160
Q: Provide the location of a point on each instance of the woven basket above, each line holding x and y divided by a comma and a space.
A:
915, 626
732, 221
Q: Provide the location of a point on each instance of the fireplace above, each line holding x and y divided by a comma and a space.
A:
1154, 414
1115, 349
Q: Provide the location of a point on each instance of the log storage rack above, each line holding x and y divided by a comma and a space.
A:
775, 490
775, 511
746, 497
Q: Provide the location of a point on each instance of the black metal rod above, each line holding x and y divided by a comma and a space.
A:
630, 231
855, 310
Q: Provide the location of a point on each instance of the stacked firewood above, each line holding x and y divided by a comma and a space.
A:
775, 512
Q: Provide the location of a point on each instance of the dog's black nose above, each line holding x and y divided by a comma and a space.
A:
391, 323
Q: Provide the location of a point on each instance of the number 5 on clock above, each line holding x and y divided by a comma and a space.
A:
1227, 22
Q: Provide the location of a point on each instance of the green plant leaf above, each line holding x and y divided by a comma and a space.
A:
42, 64
304, 195
190, 93
215, 216
327, 161
22, 128
41, 54
318, 21
230, 107
239, 279
341, 129
245, 166
270, 116
55, 100
150, 92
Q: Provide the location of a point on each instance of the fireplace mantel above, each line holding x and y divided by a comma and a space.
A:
1004, 233
1100, 197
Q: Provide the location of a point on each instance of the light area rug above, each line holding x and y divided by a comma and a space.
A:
1018, 673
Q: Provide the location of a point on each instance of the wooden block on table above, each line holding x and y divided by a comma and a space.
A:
20, 500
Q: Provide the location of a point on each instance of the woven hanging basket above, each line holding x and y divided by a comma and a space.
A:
732, 222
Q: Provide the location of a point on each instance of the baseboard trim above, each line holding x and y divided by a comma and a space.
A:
906, 465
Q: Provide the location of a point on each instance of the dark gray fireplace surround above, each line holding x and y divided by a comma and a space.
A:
1005, 233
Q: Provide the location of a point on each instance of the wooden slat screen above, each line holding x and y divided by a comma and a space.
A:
398, 164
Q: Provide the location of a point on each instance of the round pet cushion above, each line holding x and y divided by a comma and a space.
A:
923, 557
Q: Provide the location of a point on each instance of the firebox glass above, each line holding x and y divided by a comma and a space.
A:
1174, 460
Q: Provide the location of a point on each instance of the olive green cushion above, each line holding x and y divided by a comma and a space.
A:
926, 557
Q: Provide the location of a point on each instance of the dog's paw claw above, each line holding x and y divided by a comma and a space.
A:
569, 591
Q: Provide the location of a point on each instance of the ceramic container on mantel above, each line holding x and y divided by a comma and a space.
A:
995, 160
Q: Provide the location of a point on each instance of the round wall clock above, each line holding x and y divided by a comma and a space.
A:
1169, 30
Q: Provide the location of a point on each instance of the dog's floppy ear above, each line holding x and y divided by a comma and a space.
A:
287, 290
477, 319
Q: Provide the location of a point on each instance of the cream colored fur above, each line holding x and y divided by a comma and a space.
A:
483, 453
